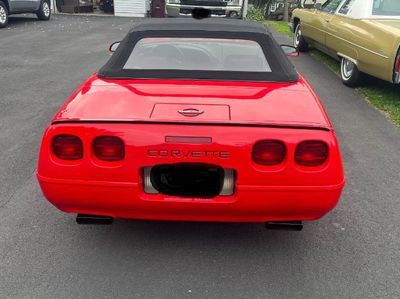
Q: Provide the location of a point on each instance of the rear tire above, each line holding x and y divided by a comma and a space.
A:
233, 14
349, 73
298, 40
44, 11
3, 15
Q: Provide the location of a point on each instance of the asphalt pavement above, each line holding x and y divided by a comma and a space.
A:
354, 252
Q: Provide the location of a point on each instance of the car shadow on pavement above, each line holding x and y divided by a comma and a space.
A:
192, 251
22, 20
195, 235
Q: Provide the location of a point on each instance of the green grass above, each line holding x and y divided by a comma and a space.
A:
383, 95
280, 26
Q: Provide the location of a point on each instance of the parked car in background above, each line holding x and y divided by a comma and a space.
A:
275, 9
9, 7
311, 3
218, 8
363, 34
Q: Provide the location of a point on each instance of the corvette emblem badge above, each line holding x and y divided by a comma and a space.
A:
190, 112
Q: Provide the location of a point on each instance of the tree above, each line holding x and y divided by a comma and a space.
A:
286, 11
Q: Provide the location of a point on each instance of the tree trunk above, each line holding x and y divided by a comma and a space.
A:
244, 9
286, 11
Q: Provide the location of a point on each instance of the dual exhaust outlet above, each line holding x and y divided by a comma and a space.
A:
107, 220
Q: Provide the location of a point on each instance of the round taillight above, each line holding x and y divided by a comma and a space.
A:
109, 148
311, 153
269, 152
67, 147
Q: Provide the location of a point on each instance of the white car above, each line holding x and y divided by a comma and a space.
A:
217, 8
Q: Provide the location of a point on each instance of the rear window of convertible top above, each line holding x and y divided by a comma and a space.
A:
198, 54
209, 54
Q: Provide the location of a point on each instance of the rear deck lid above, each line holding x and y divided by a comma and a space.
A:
288, 104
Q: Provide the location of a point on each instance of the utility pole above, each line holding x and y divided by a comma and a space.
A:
245, 5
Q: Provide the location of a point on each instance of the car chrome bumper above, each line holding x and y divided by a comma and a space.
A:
249, 203
179, 10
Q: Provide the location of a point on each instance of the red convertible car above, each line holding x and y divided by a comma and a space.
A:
193, 120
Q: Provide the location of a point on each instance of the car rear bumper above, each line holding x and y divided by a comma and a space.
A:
180, 10
250, 203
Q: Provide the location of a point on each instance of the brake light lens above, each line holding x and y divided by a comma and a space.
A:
67, 147
109, 148
396, 75
311, 153
269, 152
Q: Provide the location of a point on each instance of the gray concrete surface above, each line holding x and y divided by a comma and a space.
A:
351, 253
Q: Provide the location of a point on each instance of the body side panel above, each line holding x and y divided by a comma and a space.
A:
23, 6
367, 45
312, 26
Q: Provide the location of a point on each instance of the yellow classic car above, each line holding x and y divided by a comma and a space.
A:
363, 34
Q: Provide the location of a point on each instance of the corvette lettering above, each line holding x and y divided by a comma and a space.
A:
175, 153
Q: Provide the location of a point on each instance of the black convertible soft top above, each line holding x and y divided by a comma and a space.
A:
281, 68
207, 24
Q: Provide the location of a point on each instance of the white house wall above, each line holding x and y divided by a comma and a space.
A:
130, 8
